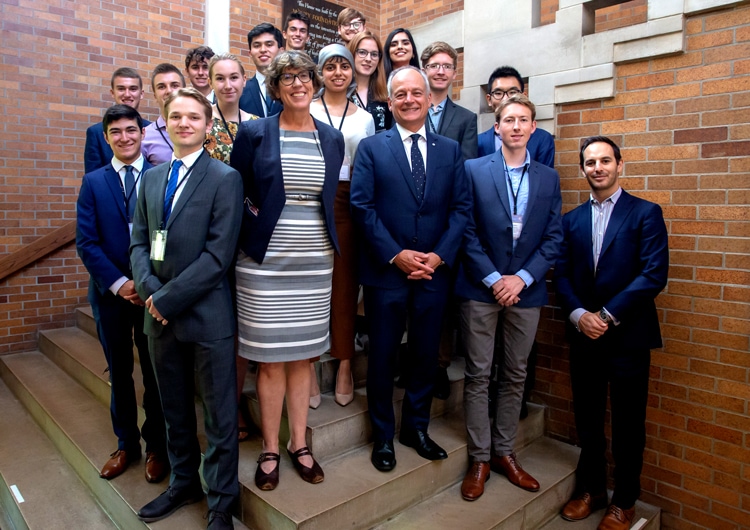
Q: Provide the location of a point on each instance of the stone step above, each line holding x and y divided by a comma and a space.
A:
79, 426
85, 320
647, 517
49, 494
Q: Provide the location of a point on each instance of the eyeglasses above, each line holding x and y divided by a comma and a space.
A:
354, 24
287, 79
361, 53
436, 67
500, 94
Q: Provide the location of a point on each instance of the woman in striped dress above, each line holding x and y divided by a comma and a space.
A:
290, 166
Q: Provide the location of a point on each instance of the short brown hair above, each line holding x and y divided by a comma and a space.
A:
190, 92
348, 14
519, 99
439, 47
295, 60
126, 73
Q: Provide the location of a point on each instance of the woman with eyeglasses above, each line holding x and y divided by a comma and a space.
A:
400, 50
290, 165
371, 93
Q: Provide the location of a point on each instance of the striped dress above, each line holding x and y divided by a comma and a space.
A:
283, 305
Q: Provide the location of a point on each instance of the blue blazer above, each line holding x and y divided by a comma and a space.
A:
251, 100
97, 152
631, 270
488, 242
541, 146
387, 213
256, 154
102, 234
459, 124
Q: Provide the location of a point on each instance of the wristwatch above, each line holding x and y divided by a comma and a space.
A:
605, 316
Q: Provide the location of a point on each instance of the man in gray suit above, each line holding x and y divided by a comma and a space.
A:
184, 238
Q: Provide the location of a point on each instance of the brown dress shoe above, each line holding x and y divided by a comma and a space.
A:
314, 474
509, 466
118, 462
473, 485
156, 467
581, 506
616, 518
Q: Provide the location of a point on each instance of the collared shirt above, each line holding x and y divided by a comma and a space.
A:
435, 115
156, 146
263, 91
119, 167
182, 177
422, 145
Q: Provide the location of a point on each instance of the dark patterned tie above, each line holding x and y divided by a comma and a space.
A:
129, 192
417, 166
171, 189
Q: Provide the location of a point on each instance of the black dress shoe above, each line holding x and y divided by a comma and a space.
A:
442, 388
219, 520
425, 446
168, 502
383, 456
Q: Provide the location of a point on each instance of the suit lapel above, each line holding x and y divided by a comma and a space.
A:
194, 180
113, 183
449, 111
533, 176
397, 149
497, 171
616, 220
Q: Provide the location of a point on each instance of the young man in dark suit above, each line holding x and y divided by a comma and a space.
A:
614, 263
265, 42
184, 241
105, 210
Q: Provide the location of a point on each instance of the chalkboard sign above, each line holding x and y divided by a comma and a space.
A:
323, 27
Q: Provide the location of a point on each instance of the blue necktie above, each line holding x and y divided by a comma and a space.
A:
130, 196
417, 167
171, 189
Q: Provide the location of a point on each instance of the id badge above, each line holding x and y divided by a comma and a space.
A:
344, 174
517, 226
158, 244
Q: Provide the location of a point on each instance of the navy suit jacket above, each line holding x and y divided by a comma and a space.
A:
488, 242
459, 124
102, 234
256, 154
387, 213
97, 152
541, 146
251, 100
631, 271
190, 287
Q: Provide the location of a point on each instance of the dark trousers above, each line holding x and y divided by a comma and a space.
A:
387, 310
184, 369
345, 289
118, 324
595, 367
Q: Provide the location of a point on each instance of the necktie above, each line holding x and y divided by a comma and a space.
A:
130, 196
171, 189
417, 167
266, 97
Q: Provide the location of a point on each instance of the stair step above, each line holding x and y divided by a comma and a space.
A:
647, 517
53, 497
80, 427
85, 320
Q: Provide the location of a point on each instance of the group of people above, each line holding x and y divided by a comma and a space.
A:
241, 223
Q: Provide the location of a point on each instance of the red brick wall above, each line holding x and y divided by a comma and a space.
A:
683, 124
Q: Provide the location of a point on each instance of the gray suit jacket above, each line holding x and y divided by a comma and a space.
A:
458, 124
190, 287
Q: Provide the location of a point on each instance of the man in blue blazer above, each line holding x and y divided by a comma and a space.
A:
410, 204
184, 242
614, 263
126, 89
105, 209
265, 42
511, 241
505, 82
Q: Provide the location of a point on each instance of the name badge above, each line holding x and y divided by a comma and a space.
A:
517, 226
158, 244
344, 174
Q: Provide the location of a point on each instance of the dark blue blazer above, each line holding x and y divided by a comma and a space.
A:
256, 154
631, 270
541, 146
97, 152
102, 234
251, 100
387, 213
459, 124
488, 242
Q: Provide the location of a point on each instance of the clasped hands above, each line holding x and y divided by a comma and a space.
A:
417, 265
155, 312
591, 325
507, 289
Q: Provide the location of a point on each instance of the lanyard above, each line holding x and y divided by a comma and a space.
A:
510, 183
361, 104
182, 181
226, 126
128, 196
346, 109
165, 138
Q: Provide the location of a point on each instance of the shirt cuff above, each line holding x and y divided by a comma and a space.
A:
614, 320
527, 278
575, 316
116, 286
491, 278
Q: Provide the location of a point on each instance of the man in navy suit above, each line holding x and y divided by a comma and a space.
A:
184, 241
504, 83
126, 89
614, 263
410, 203
105, 210
265, 42
511, 241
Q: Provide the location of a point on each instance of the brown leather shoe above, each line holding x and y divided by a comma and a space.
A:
473, 485
156, 467
314, 474
616, 518
509, 466
118, 462
582, 505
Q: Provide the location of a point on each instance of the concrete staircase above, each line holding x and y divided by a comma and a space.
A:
55, 434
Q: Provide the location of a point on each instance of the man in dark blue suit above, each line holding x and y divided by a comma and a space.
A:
504, 83
105, 211
127, 89
614, 263
511, 241
410, 203
265, 42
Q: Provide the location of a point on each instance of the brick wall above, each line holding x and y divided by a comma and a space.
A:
683, 124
